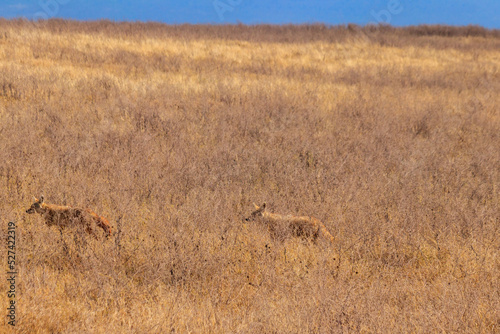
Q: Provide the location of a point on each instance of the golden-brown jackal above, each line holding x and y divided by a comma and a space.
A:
67, 216
281, 226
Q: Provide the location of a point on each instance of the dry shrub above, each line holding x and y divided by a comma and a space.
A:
389, 136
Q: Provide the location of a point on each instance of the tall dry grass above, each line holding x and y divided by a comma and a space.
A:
389, 136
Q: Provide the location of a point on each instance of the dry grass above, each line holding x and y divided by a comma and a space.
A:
391, 137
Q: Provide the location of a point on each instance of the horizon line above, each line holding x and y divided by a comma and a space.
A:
312, 23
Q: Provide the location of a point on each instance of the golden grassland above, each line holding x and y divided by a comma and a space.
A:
391, 137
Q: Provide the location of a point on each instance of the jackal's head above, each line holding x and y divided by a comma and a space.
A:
259, 211
37, 206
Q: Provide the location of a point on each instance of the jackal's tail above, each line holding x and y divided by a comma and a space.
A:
105, 225
326, 234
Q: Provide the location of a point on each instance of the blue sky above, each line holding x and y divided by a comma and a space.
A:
394, 12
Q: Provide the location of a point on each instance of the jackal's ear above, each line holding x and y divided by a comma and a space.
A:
256, 206
36, 199
263, 206
41, 199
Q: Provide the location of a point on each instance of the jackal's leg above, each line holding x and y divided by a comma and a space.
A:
65, 246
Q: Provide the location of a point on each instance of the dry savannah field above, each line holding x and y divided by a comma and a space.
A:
388, 136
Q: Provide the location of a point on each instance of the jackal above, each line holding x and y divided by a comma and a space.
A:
67, 216
281, 226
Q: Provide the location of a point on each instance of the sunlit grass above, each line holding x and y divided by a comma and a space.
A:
390, 140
